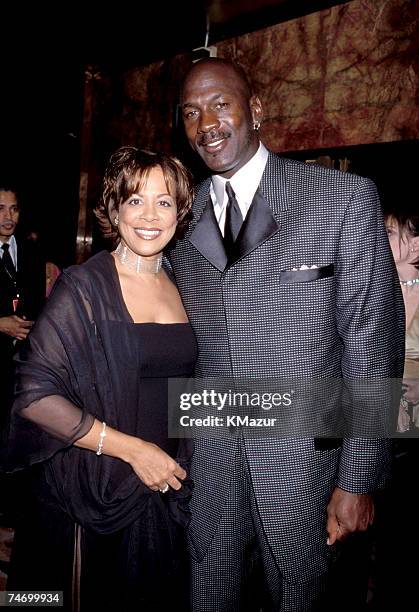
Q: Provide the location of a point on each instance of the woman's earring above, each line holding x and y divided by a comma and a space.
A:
256, 125
116, 220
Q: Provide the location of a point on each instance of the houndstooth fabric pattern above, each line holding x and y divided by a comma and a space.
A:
249, 324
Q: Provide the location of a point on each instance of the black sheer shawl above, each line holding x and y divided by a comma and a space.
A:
70, 372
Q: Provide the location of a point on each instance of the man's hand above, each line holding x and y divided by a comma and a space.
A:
347, 513
15, 327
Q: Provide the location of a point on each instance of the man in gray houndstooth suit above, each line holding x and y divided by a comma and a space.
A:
303, 291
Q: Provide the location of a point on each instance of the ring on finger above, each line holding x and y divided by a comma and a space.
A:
165, 489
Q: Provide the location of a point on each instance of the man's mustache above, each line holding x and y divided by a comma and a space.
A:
207, 139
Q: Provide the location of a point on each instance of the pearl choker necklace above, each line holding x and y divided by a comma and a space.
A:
409, 283
142, 265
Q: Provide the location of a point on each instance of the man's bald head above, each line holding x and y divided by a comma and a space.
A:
239, 76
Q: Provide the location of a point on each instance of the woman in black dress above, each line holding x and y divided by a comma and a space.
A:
107, 523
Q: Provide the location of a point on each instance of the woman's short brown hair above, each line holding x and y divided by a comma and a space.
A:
127, 170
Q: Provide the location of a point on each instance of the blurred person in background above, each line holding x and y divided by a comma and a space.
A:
403, 234
397, 538
22, 295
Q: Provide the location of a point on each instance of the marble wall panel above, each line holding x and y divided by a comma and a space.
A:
343, 76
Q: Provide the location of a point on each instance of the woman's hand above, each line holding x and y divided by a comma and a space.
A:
155, 467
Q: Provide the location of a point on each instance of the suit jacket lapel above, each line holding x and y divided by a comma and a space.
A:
4, 273
207, 238
2, 268
262, 221
205, 234
268, 207
259, 225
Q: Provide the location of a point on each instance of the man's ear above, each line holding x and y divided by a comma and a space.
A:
257, 110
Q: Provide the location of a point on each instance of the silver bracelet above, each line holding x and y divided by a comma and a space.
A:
102, 435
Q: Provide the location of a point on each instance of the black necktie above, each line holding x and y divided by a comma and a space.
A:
8, 261
233, 220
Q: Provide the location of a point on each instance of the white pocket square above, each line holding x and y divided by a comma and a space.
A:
305, 267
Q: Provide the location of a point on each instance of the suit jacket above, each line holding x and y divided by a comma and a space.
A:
30, 285
254, 316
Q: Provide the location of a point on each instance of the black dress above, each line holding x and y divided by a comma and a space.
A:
94, 530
